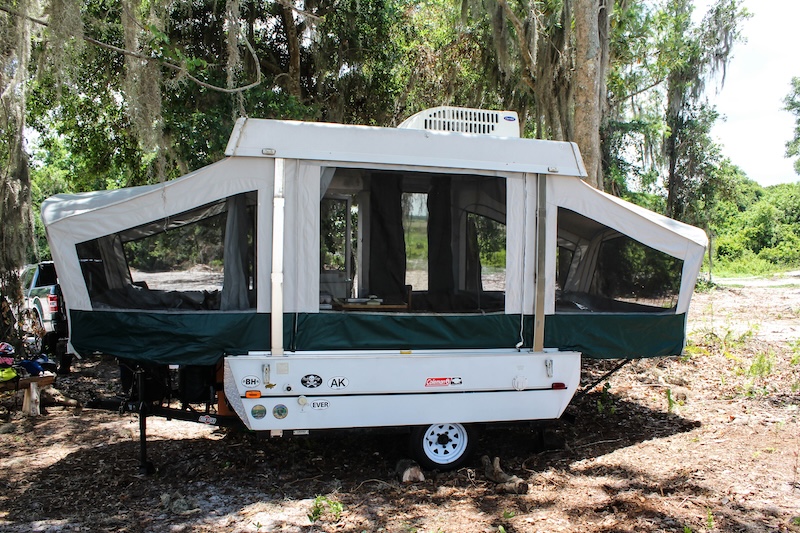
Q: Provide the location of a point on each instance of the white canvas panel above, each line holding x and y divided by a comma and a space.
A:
301, 242
516, 236
72, 219
551, 245
656, 231
529, 216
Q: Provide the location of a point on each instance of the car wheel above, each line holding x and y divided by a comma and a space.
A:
50, 343
442, 446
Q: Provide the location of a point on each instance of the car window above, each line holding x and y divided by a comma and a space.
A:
47, 275
27, 276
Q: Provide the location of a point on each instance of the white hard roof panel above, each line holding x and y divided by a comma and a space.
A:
394, 146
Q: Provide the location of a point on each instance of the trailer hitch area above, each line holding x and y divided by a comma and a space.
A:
120, 405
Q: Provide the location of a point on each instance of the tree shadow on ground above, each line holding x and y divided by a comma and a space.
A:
100, 485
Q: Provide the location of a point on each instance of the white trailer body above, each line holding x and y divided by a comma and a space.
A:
321, 390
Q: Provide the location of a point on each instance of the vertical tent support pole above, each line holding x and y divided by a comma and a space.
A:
278, 208
145, 466
541, 249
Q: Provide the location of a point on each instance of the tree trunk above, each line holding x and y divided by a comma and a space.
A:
293, 86
604, 27
674, 105
587, 87
16, 229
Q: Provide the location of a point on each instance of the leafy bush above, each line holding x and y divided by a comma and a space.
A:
786, 252
730, 247
749, 264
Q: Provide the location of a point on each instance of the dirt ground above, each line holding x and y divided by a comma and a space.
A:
705, 442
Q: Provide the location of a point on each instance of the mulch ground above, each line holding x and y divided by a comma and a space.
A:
705, 442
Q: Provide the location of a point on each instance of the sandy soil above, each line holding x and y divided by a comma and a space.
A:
705, 442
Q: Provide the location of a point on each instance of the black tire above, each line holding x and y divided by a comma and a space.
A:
50, 343
445, 446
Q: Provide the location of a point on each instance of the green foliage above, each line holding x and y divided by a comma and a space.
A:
325, 506
757, 229
747, 265
605, 404
792, 102
333, 233
51, 173
355, 57
704, 285
345, 74
416, 236
491, 237
756, 370
762, 365
445, 56
795, 345
670, 401
726, 342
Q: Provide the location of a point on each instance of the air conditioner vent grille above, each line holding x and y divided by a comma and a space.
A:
465, 120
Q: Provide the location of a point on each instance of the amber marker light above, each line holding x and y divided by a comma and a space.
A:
252, 394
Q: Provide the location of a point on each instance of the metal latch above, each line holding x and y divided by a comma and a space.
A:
267, 383
548, 365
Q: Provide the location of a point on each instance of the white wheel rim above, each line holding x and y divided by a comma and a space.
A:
445, 443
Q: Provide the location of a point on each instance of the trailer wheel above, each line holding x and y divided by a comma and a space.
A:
442, 446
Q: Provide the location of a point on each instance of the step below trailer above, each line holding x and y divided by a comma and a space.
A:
435, 275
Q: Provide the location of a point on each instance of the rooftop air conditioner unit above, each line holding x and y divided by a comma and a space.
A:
465, 120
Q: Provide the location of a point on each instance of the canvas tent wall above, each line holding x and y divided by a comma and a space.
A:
267, 196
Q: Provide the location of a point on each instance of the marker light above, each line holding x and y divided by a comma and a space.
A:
559, 386
252, 394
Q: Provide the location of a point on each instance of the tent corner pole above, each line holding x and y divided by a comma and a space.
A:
278, 215
541, 250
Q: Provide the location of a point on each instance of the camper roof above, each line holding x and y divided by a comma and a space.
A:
396, 146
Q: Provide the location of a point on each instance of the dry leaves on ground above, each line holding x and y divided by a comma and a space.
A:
705, 442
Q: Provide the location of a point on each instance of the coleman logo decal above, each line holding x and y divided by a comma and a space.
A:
311, 381
442, 382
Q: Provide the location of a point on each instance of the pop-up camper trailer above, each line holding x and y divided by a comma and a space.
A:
436, 275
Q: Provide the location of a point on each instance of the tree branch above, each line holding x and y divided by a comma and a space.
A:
527, 57
161, 62
307, 14
643, 89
